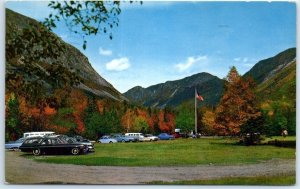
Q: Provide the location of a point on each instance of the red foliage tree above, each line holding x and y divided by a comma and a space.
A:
237, 105
166, 121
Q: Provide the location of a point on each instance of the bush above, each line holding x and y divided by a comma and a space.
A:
283, 143
251, 139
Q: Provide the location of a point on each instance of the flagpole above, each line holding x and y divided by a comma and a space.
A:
195, 112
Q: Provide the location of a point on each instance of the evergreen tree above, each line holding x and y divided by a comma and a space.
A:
237, 105
185, 118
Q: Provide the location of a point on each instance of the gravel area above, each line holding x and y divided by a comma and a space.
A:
19, 170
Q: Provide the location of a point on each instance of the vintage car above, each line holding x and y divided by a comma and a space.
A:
86, 142
165, 136
78, 140
150, 137
123, 138
51, 145
14, 145
107, 139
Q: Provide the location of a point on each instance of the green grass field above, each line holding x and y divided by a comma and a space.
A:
283, 180
178, 152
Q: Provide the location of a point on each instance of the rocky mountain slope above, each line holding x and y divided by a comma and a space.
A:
265, 69
280, 85
73, 59
275, 77
173, 93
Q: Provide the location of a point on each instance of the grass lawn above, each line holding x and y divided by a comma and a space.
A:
178, 152
288, 138
276, 180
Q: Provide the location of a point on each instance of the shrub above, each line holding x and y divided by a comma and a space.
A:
283, 143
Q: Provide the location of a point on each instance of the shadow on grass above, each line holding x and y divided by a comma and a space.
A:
58, 183
28, 155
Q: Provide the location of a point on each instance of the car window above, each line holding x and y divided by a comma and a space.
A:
54, 141
46, 142
32, 141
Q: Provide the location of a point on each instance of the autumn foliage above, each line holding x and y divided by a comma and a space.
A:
237, 106
72, 111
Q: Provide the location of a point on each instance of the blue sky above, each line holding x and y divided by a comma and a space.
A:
160, 41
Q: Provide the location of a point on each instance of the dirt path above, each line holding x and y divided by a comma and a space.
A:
20, 170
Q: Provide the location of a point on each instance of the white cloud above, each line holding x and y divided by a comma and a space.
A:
105, 52
240, 59
190, 62
237, 59
119, 64
245, 59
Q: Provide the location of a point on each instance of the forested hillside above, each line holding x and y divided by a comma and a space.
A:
174, 93
73, 60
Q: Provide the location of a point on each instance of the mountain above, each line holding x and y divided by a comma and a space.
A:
72, 59
275, 78
280, 86
173, 93
265, 69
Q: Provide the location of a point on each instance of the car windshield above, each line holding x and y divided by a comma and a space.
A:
20, 140
71, 140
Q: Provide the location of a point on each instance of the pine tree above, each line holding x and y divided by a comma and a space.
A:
237, 105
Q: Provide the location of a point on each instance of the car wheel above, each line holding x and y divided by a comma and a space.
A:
75, 151
15, 149
123, 141
110, 142
150, 140
36, 152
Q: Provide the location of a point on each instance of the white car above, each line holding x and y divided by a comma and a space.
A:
107, 139
150, 137
137, 136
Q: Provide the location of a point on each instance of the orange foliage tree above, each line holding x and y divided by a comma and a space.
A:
166, 121
127, 120
237, 105
78, 101
208, 121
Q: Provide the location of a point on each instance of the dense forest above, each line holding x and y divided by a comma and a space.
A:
76, 112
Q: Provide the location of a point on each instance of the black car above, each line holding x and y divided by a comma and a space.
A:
51, 145
78, 140
86, 142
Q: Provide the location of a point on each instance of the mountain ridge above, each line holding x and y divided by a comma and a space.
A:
259, 72
208, 87
92, 81
172, 93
